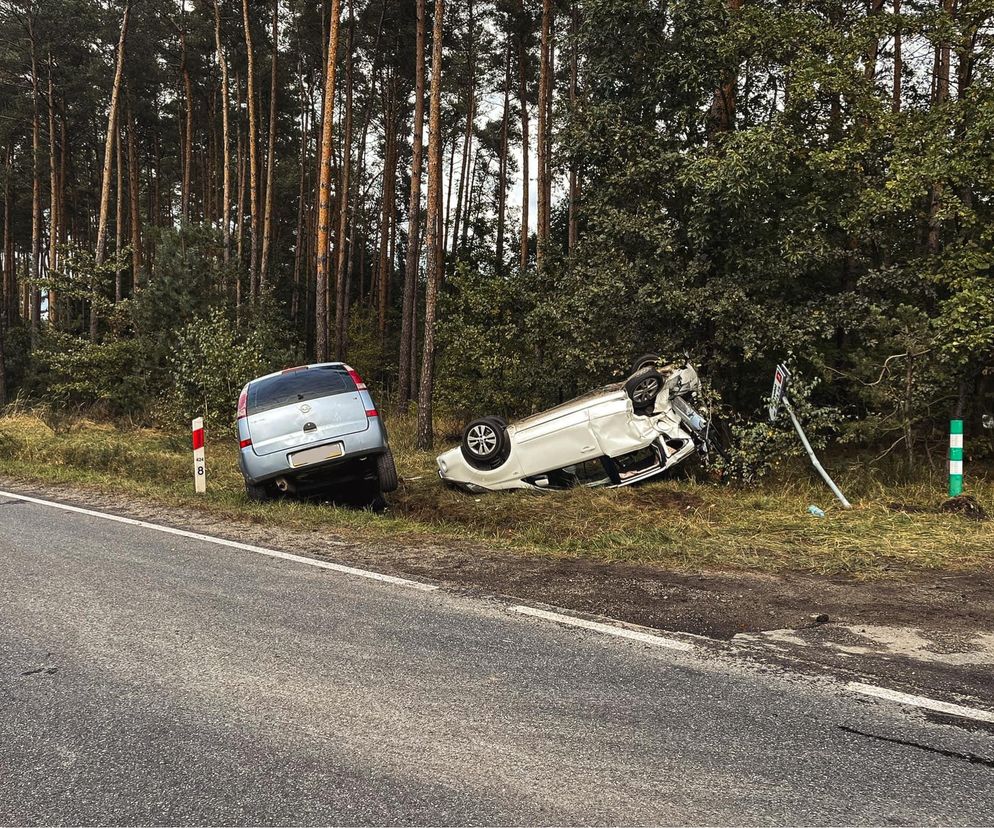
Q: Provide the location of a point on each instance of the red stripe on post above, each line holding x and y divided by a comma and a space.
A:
198, 439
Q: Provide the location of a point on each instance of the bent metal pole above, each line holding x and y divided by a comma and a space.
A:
811, 453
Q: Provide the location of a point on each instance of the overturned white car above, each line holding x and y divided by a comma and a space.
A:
615, 436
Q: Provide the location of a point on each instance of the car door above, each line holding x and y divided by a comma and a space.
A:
616, 429
552, 442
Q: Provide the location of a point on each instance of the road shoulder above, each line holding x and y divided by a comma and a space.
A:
932, 632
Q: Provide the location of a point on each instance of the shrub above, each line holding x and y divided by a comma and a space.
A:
71, 372
211, 360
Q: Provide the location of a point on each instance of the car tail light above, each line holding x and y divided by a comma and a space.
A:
359, 384
372, 412
243, 404
245, 443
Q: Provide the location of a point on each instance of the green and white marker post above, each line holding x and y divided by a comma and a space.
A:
955, 458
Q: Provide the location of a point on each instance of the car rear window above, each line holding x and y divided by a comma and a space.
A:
298, 386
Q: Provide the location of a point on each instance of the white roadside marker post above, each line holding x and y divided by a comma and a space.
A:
199, 465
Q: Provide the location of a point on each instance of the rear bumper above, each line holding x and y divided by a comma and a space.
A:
261, 468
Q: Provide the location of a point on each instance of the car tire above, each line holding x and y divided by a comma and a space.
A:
485, 444
257, 492
642, 389
386, 472
644, 361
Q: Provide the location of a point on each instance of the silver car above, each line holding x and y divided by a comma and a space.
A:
614, 436
307, 427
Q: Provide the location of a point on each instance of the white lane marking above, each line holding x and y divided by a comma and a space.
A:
609, 629
921, 701
247, 547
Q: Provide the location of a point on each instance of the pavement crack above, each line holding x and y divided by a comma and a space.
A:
972, 758
48, 671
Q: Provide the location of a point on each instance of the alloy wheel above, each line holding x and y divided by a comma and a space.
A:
645, 392
481, 440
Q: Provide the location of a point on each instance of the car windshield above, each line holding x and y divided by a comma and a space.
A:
298, 385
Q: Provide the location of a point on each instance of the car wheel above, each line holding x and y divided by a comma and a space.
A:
386, 472
645, 361
257, 492
642, 389
485, 444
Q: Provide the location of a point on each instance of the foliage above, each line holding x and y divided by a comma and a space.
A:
484, 363
69, 372
212, 359
753, 181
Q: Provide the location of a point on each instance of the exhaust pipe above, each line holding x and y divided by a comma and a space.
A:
284, 485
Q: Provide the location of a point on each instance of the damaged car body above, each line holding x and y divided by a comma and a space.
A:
617, 435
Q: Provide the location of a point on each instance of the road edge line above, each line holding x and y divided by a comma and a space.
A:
922, 702
247, 547
597, 626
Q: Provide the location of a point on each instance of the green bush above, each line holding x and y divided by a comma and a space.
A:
212, 359
70, 372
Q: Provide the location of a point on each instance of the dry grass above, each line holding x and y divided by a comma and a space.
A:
682, 524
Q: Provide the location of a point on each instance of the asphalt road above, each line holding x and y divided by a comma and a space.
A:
148, 678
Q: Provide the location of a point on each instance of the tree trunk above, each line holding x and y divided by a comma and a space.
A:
574, 174
34, 273
448, 192
387, 207
253, 156
118, 219
108, 161
321, 315
898, 60
408, 319
54, 218
876, 8
462, 192
299, 244
467, 148
134, 193
63, 162
9, 270
267, 224
188, 123
6, 280
225, 138
471, 196
241, 183
543, 138
502, 162
341, 284
523, 103
425, 435
941, 96
240, 220
722, 115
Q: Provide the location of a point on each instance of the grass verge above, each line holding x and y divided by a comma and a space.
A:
678, 524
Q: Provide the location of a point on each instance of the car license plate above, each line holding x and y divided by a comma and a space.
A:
316, 455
